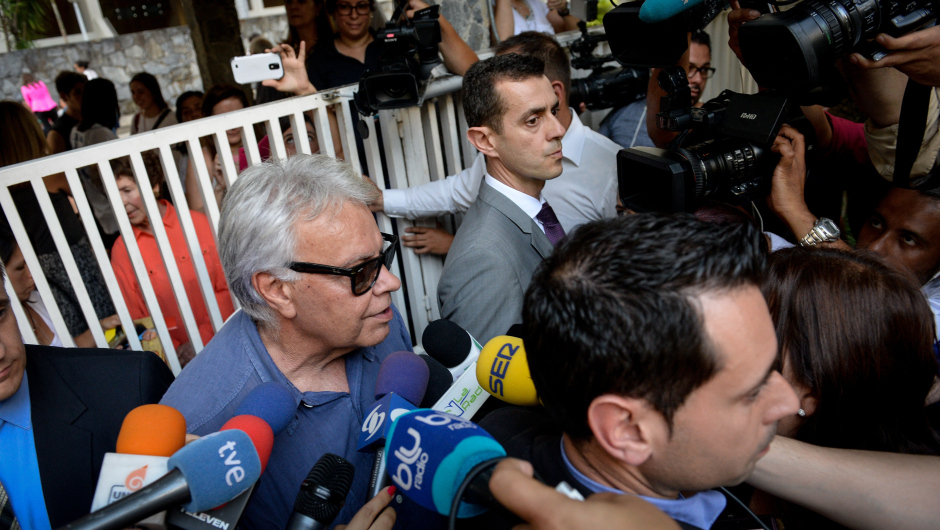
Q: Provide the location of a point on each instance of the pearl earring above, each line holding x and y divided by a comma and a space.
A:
801, 413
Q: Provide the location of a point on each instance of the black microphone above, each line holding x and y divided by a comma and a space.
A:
322, 494
451, 345
439, 381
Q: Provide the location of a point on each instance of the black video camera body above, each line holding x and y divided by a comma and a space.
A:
607, 86
797, 49
411, 53
723, 154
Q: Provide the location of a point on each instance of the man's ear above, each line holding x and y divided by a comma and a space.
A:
559, 89
483, 139
624, 427
276, 292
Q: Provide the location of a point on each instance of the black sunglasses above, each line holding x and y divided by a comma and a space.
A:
363, 276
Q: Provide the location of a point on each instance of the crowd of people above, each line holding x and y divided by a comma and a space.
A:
696, 370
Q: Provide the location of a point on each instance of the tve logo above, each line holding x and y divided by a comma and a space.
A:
236, 472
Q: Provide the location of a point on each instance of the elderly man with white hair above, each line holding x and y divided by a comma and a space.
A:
304, 257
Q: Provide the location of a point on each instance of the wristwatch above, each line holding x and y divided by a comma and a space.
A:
824, 231
566, 12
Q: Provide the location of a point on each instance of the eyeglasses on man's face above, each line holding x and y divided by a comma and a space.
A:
705, 71
346, 9
363, 276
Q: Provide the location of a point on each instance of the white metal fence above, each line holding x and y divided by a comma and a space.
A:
420, 144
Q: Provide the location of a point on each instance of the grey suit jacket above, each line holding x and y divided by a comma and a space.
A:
489, 266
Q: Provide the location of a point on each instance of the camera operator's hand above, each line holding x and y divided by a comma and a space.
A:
787, 189
458, 55
735, 18
427, 240
295, 78
543, 508
917, 55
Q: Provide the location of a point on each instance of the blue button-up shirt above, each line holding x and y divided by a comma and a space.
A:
235, 361
19, 467
700, 510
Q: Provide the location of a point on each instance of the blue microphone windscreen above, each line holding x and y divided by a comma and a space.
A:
447, 342
217, 468
431, 453
272, 402
653, 11
405, 374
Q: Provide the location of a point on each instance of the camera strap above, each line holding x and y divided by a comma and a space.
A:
911, 127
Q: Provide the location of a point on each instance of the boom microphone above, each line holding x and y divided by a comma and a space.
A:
430, 454
653, 11
451, 345
203, 474
402, 382
503, 371
149, 435
322, 494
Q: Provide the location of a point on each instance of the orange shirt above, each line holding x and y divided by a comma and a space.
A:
133, 295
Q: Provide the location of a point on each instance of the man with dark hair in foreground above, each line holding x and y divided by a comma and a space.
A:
654, 354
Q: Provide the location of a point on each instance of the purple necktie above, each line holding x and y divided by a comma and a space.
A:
553, 228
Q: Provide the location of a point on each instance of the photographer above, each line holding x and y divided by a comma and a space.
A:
627, 125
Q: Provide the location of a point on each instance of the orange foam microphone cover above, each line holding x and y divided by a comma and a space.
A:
152, 430
258, 430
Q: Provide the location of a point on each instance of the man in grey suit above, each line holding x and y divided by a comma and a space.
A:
511, 110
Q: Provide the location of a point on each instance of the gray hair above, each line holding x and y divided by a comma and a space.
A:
257, 228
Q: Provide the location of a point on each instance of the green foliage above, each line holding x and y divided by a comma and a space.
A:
23, 21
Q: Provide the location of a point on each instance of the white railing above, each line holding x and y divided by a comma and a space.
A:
415, 152
420, 144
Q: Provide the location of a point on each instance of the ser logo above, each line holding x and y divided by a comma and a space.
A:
747, 116
500, 366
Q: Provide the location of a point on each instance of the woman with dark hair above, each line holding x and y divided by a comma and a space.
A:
855, 339
23, 141
99, 118
189, 106
154, 112
219, 99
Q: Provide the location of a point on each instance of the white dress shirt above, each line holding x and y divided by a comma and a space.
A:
527, 203
585, 191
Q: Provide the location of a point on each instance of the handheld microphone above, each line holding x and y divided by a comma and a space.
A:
503, 371
149, 435
203, 474
430, 454
322, 494
653, 11
451, 345
272, 402
402, 381
439, 380
267, 406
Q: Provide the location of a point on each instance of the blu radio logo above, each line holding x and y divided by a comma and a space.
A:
133, 482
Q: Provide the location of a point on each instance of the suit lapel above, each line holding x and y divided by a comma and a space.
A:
526, 224
61, 448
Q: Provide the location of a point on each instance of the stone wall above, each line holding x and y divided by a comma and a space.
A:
166, 53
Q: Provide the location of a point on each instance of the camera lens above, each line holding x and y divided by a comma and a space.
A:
806, 41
